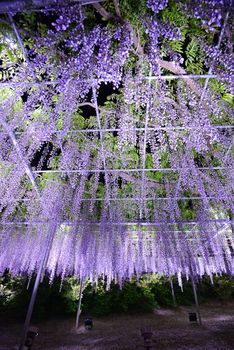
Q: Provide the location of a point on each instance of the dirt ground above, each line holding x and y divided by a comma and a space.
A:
170, 327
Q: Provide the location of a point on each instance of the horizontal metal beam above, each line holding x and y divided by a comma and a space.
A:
182, 76
130, 170
156, 77
15, 6
132, 230
149, 238
118, 223
156, 128
138, 199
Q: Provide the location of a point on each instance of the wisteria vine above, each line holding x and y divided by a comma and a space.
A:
94, 165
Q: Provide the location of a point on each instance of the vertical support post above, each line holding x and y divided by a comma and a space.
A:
189, 255
79, 303
50, 235
173, 292
24, 161
147, 116
18, 38
196, 300
50, 241
29, 281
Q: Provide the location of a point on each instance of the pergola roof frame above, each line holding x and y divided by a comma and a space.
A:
53, 223
145, 129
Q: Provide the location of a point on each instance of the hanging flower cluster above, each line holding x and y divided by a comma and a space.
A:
120, 252
156, 151
209, 11
157, 5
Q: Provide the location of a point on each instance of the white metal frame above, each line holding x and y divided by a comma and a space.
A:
142, 198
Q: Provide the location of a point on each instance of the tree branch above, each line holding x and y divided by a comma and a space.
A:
171, 66
148, 183
102, 11
174, 68
117, 9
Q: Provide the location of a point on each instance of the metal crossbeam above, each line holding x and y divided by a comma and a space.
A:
155, 128
152, 198
15, 6
148, 237
139, 199
187, 127
156, 77
119, 223
133, 230
84, 171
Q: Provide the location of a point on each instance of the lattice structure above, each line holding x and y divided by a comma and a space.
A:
143, 183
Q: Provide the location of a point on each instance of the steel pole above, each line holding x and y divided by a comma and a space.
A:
79, 304
196, 300
51, 231
173, 292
